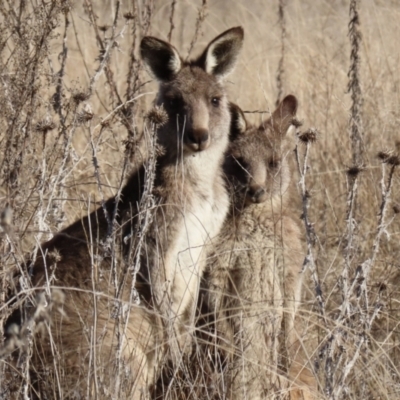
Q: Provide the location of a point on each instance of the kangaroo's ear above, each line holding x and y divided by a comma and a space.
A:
238, 122
282, 117
220, 56
161, 59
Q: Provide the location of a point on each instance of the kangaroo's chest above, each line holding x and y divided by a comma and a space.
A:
200, 221
250, 260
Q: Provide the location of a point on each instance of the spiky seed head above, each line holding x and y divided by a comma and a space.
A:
389, 157
160, 150
129, 15
54, 256
105, 123
86, 114
66, 7
354, 170
80, 96
157, 116
309, 136
385, 154
296, 122
45, 125
394, 160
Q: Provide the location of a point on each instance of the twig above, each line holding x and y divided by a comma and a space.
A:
171, 20
200, 19
281, 71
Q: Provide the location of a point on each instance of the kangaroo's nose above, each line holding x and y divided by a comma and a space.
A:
198, 139
256, 193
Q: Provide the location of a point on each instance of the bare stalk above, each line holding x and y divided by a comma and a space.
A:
199, 22
354, 85
309, 261
171, 20
281, 70
145, 209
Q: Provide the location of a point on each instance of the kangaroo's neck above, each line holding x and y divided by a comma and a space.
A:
270, 210
198, 170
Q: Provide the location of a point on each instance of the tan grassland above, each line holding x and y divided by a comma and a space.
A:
73, 101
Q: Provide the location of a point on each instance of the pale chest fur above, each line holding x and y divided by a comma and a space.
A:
201, 220
195, 207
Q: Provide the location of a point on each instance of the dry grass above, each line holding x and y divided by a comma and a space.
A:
72, 102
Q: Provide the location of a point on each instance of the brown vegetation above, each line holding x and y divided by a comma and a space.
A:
73, 101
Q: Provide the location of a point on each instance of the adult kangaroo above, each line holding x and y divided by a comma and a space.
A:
102, 344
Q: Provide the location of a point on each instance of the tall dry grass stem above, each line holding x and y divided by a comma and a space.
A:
281, 69
201, 16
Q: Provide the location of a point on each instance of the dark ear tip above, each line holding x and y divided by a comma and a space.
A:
145, 41
148, 42
290, 102
238, 30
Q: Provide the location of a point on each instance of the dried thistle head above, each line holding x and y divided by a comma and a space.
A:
296, 122
66, 7
103, 28
105, 123
160, 150
354, 170
385, 154
394, 160
129, 144
389, 157
80, 96
309, 136
45, 125
157, 116
86, 114
129, 15
54, 256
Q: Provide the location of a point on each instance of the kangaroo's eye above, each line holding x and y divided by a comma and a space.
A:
215, 101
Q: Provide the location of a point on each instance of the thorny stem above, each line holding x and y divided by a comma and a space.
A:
354, 86
133, 65
386, 191
171, 20
200, 19
99, 185
144, 220
359, 285
105, 51
348, 252
280, 74
58, 94
309, 260
146, 204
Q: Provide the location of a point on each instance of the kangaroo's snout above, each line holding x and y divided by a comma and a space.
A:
198, 139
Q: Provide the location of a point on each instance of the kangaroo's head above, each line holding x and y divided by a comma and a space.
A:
256, 164
192, 92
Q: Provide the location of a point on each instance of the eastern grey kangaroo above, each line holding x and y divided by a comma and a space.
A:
253, 279
102, 345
